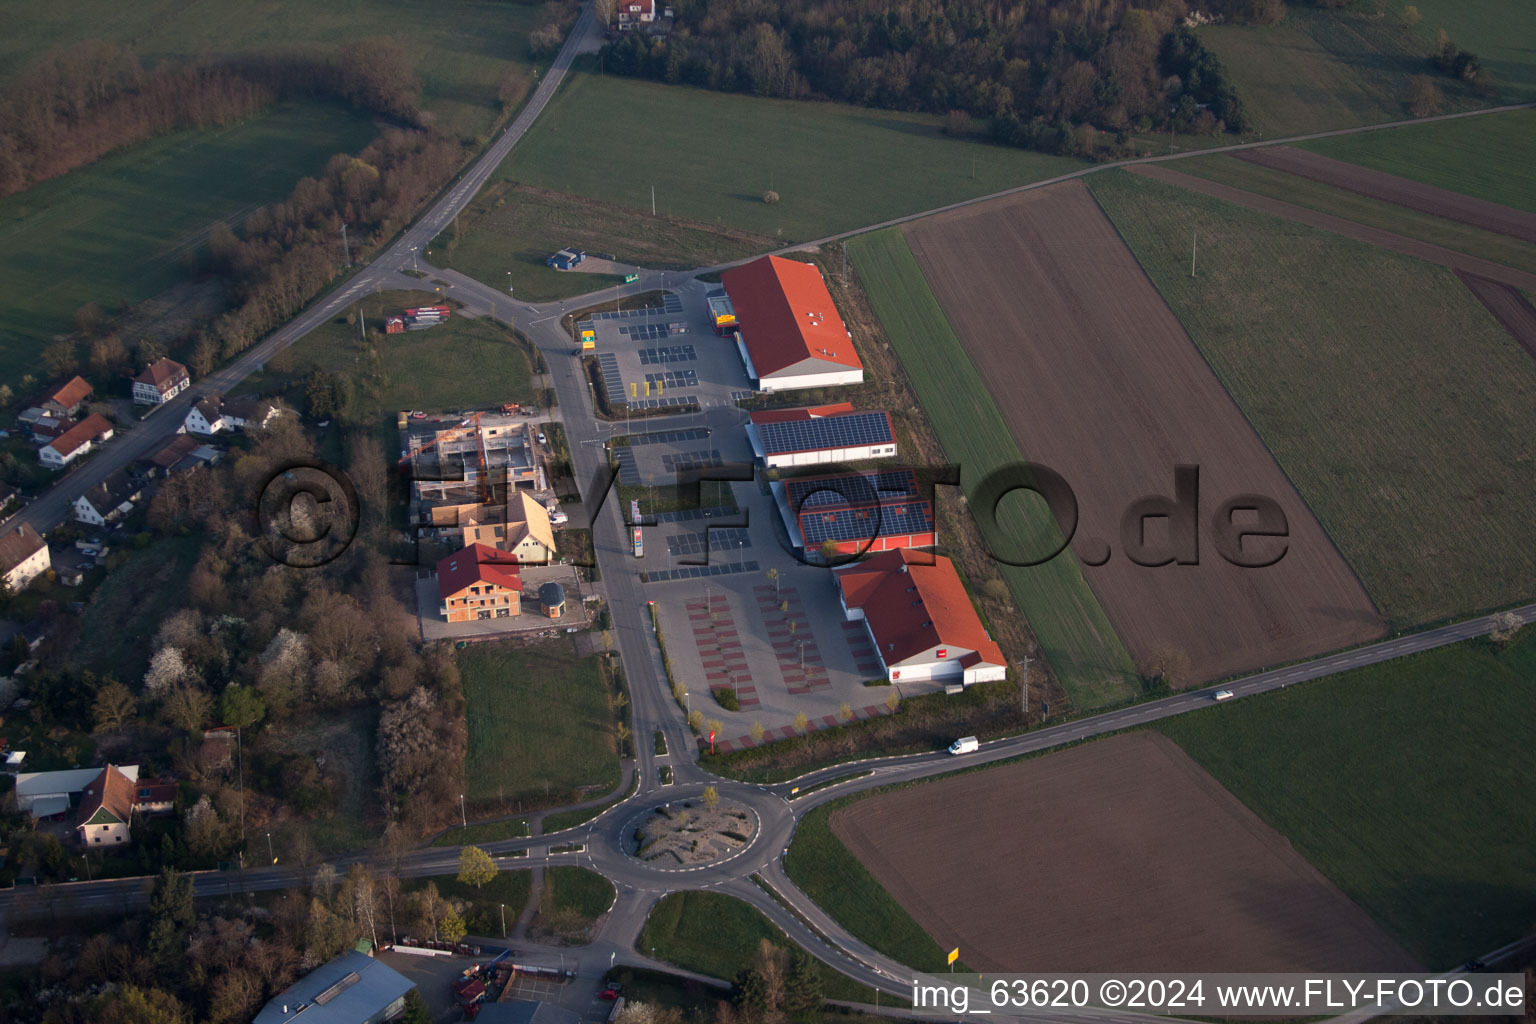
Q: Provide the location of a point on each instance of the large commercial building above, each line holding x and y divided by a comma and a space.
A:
787, 329
352, 989
782, 438
920, 618
855, 513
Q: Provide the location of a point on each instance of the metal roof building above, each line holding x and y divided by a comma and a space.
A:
788, 331
352, 989
820, 434
857, 513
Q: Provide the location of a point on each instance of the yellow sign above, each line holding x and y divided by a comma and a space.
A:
954, 954
631, 389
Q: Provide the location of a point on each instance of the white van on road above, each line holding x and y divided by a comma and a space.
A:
965, 745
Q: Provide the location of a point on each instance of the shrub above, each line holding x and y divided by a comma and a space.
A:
726, 698
770, 196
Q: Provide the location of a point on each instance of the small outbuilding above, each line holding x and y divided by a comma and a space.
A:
552, 600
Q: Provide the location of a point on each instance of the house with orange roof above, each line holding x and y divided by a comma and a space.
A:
920, 618
479, 582
788, 331
106, 809
75, 441
62, 401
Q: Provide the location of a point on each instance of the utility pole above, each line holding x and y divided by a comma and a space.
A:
346, 250
362, 328
845, 264
1194, 242
1024, 688
653, 200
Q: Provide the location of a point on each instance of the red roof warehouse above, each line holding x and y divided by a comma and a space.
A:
788, 330
920, 617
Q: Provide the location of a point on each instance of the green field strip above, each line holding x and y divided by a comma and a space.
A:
1486, 157
1074, 633
1399, 408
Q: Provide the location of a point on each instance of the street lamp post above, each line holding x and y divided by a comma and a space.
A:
503, 920
463, 818
269, 848
413, 257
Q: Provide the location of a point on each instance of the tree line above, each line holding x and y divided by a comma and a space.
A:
1034, 72
71, 107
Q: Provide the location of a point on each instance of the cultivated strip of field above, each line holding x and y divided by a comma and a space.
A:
1098, 380
1406, 783
1100, 858
1487, 157
1364, 210
1401, 410
1349, 229
1075, 635
1508, 305
1404, 191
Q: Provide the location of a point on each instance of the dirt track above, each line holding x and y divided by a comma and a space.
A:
1507, 305
1479, 213
1121, 855
1098, 380
1427, 251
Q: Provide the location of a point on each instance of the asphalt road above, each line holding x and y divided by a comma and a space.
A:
653, 709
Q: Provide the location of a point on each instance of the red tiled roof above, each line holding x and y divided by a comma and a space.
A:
71, 393
477, 564
155, 791
787, 316
111, 790
88, 429
162, 372
172, 452
913, 610
810, 412
18, 546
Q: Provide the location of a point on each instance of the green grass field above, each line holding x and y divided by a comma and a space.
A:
121, 228
711, 156
1408, 784
483, 916
483, 832
1489, 157
1293, 188
1323, 69
1402, 411
462, 363
718, 935
1080, 644
574, 898
822, 867
505, 235
462, 47
540, 725
1499, 32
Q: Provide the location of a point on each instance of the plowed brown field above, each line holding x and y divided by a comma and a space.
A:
1415, 195
1121, 855
1098, 380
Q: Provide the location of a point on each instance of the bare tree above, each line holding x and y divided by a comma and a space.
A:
1505, 626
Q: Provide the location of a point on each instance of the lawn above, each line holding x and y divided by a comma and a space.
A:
1323, 69
484, 832
120, 620
459, 364
819, 863
505, 235
1499, 32
711, 157
1488, 157
122, 228
541, 725
462, 47
573, 899
483, 915
1404, 414
1072, 629
718, 935
1408, 784
1293, 188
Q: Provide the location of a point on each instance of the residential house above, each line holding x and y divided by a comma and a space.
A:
160, 382
634, 13
163, 459
47, 427
920, 618
215, 414
522, 529
10, 502
48, 794
106, 808
63, 401
479, 582
352, 989
75, 441
23, 558
108, 501
155, 797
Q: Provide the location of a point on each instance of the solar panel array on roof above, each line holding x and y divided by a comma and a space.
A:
862, 523
851, 431
851, 489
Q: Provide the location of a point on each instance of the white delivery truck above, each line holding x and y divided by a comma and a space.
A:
965, 745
